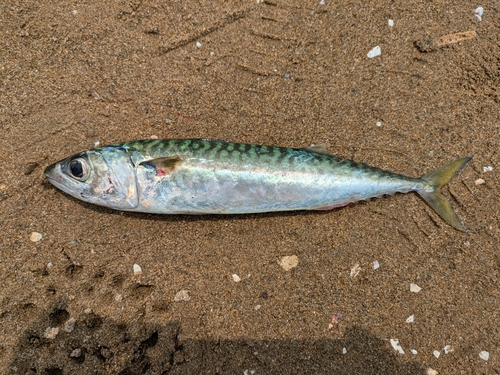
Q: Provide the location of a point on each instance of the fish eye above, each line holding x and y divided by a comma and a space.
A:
79, 169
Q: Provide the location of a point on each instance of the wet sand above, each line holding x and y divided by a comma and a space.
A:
287, 73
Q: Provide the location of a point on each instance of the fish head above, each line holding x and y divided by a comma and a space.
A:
104, 176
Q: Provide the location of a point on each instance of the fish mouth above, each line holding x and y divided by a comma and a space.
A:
53, 175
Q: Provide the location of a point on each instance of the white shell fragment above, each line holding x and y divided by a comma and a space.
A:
376, 265
355, 270
436, 353
488, 168
35, 237
396, 346
137, 269
484, 355
447, 349
415, 288
236, 278
51, 333
413, 351
183, 295
375, 51
410, 319
289, 262
479, 181
479, 13
390, 23
379, 124
198, 44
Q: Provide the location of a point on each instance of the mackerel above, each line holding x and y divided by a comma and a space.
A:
200, 176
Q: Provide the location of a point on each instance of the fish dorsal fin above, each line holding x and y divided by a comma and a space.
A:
163, 166
319, 148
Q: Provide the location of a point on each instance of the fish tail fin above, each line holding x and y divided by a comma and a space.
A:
439, 178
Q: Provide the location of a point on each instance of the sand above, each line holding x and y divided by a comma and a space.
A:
286, 73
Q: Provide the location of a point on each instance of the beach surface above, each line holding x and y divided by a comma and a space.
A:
378, 287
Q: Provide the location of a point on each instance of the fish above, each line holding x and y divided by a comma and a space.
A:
203, 176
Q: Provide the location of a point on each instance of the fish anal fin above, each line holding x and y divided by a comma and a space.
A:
163, 166
319, 148
332, 207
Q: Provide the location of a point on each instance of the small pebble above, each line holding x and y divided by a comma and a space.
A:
88, 310
289, 262
236, 278
390, 23
413, 351
74, 11
198, 44
118, 298
430, 371
479, 181
355, 270
415, 288
322, 2
97, 143
436, 353
137, 269
76, 353
257, 307
376, 51
396, 346
484, 355
448, 349
410, 319
379, 124
69, 325
49, 265
488, 168
35, 237
336, 318
344, 351
51, 333
376, 265
183, 295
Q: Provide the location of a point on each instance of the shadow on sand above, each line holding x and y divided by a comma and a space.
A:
98, 345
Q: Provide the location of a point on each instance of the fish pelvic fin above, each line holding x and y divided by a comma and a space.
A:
439, 178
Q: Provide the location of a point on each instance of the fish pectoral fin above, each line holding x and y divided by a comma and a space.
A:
319, 148
163, 166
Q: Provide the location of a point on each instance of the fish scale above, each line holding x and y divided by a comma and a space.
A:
200, 176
